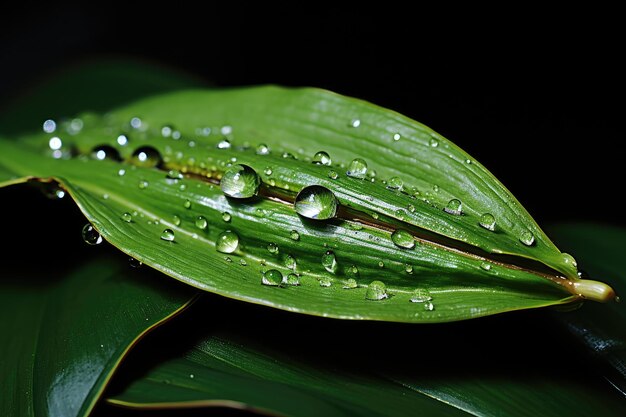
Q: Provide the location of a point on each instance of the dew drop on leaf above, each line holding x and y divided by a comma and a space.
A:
223, 144
325, 282
227, 242
434, 142
488, 221
127, 217
167, 235
262, 149
49, 126
201, 222
272, 248
103, 152
146, 157
329, 261
294, 235
357, 168
321, 158
226, 216
454, 206
350, 284
91, 235
420, 296
395, 183
240, 181
403, 239
292, 279
316, 202
273, 277
376, 291
527, 237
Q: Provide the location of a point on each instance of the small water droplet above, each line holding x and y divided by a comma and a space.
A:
569, 260
143, 184
121, 172
321, 158
167, 235
333, 175
146, 157
468, 161
103, 152
325, 282
174, 174
357, 168
223, 144
350, 284
329, 261
294, 235
226, 216
191, 376
381, 264
55, 143
316, 202
227, 242
127, 217
292, 279
243, 262
290, 262
454, 206
403, 239
135, 123
486, 266
488, 221
289, 155
420, 296
49, 126
122, 140
353, 271
273, 277
408, 268
134, 263
436, 188
355, 123
182, 187
201, 223
187, 204
395, 183
429, 306
228, 259
176, 220
240, 181
396, 137
268, 171
262, 149
527, 237
272, 248
434, 142
411, 208
376, 291
166, 131
91, 235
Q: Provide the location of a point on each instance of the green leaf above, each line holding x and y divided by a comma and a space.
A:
450, 254
63, 335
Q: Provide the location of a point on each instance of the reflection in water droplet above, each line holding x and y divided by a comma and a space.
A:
55, 143
290, 262
329, 261
420, 296
454, 206
91, 235
240, 181
488, 221
357, 168
167, 235
127, 217
333, 175
350, 284
49, 126
272, 248
201, 223
226, 216
527, 237
316, 202
134, 263
262, 149
403, 239
227, 242
376, 291
294, 235
273, 277
321, 158
292, 279
146, 157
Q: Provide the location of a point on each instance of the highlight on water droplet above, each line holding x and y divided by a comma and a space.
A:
294, 235
527, 237
396, 137
376, 291
143, 184
395, 183
55, 143
91, 235
354, 123
329, 261
357, 168
429, 306
240, 181
201, 222
454, 206
434, 142
420, 296
350, 284
569, 260
262, 149
103, 152
227, 242
146, 157
127, 217
273, 278
121, 172
223, 144
403, 239
316, 202
49, 126
122, 140
321, 158
174, 174
325, 282
488, 221
272, 248
167, 235
292, 279
268, 171
226, 216
486, 266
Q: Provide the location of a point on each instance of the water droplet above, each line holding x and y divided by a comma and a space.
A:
122, 140
166, 131
290, 262
325, 282
316, 202
321, 158
381, 264
396, 137
403, 239
187, 204
272, 248
292, 279
333, 175
429, 306
49, 126
267, 171
294, 235
55, 143
223, 144
243, 262
103, 152
527, 237
355, 123
454, 206
350, 284
272, 277
174, 174
488, 221
357, 168
329, 261
353, 271
240, 181
376, 291
408, 268
289, 155
134, 263
569, 260
91, 235
127, 217
176, 220
201, 223
182, 187
143, 184
135, 123
411, 208
191, 376
146, 157
420, 296
486, 266
227, 259
227, 242
395, 183
468, 161
434, 142
262, 149
226, 216
167, 235
121, 172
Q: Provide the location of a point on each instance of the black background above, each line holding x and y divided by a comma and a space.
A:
537, 98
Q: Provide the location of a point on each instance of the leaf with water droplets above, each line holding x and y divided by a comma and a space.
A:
404, 211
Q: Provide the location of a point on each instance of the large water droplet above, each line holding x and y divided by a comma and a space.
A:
488, 221
262, 149
127, 217
316, 202
403, 239
376, 291
201, 223
273, 277
167, 235
240, 181
420, 296
527, 237
395, 183
294, 235
329, 261
569, 260
227, 242
146, 157
454, 206
357, 168
49, 126
91, 235
272, 248
292, 279
321, 158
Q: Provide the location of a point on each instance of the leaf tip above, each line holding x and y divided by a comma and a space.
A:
594, 290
